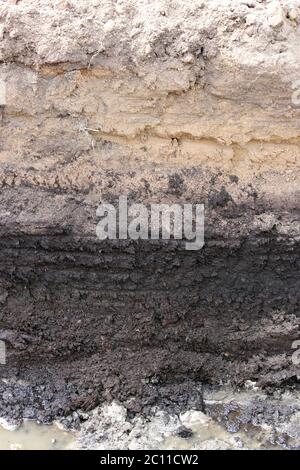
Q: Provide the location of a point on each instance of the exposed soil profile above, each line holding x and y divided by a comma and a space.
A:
164, 102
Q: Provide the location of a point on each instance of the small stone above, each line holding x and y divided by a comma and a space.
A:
188, 59
293, 14
194, 417
13, 34
184, 433
276, 16
249, 385
109, 26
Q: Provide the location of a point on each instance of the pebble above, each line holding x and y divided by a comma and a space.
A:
109, 26
293, 14
192, 417
276, 17
188, 59
183, 432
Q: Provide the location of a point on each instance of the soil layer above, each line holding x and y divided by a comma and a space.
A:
145, 322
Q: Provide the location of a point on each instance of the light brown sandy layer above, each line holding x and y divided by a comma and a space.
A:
136, 84
61, 129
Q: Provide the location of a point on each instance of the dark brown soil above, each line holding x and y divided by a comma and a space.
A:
145, 322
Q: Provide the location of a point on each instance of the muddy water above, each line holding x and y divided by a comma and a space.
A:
215, 437
32, 436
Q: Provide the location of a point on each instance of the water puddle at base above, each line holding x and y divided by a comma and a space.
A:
33, 436
215, 437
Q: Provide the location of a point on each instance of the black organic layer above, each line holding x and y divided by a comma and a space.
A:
144, 322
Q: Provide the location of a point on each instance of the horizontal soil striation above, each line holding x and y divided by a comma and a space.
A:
145, 322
